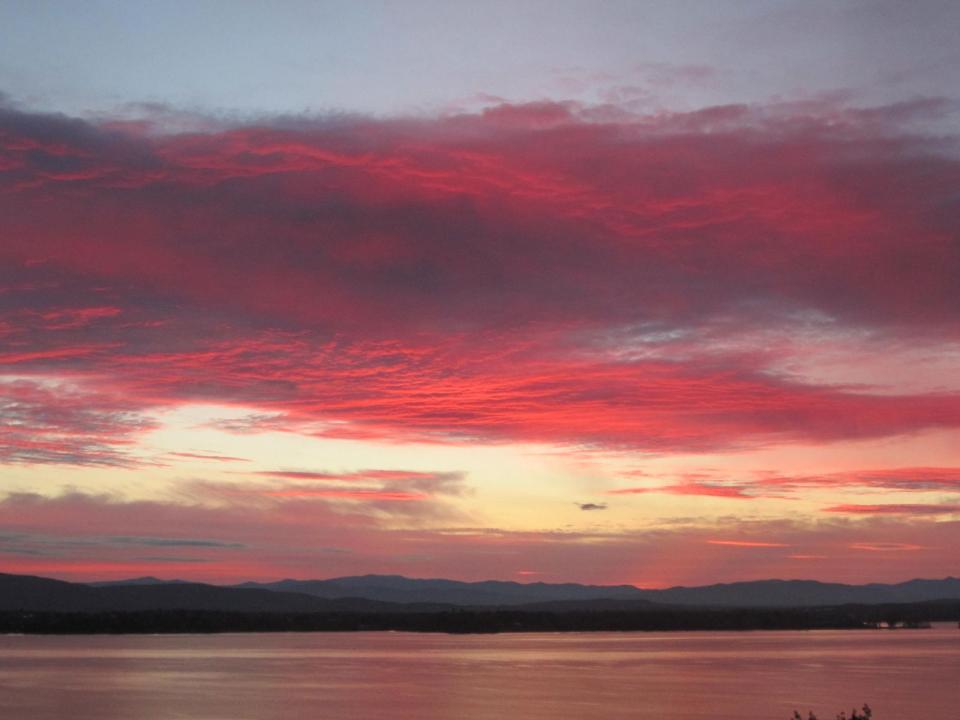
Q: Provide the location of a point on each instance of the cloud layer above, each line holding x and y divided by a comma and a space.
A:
555, 273
78, 535
545, 272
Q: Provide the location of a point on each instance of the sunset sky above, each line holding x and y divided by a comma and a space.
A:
613, 292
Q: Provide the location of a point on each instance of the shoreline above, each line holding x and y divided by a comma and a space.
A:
471, 621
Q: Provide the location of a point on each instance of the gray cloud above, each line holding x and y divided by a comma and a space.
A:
171, 542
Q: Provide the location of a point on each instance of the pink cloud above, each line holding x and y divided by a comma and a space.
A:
207, 456
44, 424
453, 279
887, 547
85, 537
759, 485
546, 273
895, 509
355, 494
73, 318
690, 488
459, 280
904, 479
359, 475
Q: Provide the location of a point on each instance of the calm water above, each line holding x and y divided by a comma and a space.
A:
905, 675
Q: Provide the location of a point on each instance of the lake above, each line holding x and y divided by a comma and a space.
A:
903, 674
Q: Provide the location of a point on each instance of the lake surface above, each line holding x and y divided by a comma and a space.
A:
903, 674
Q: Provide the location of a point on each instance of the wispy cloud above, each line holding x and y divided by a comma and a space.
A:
691, 488
44, 424
589, 278
895, 509
84, 535
207, 456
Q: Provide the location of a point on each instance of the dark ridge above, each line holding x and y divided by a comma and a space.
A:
37, 594
762, 593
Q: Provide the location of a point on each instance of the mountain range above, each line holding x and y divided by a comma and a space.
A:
395, 593
37, 594
762, 593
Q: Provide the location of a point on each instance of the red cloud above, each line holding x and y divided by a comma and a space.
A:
418, 393
464, 279
602, 219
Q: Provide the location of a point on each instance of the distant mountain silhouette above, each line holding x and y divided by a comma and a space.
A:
762, 593
807, 593
370, 592
37, 594
145, 580
399, 589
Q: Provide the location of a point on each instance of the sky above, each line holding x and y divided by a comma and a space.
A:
608, 292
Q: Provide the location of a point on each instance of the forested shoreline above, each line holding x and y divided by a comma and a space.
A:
473, 620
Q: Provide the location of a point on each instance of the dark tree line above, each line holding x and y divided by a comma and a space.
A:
480, 620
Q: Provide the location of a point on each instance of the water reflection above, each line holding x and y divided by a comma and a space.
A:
682, 676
